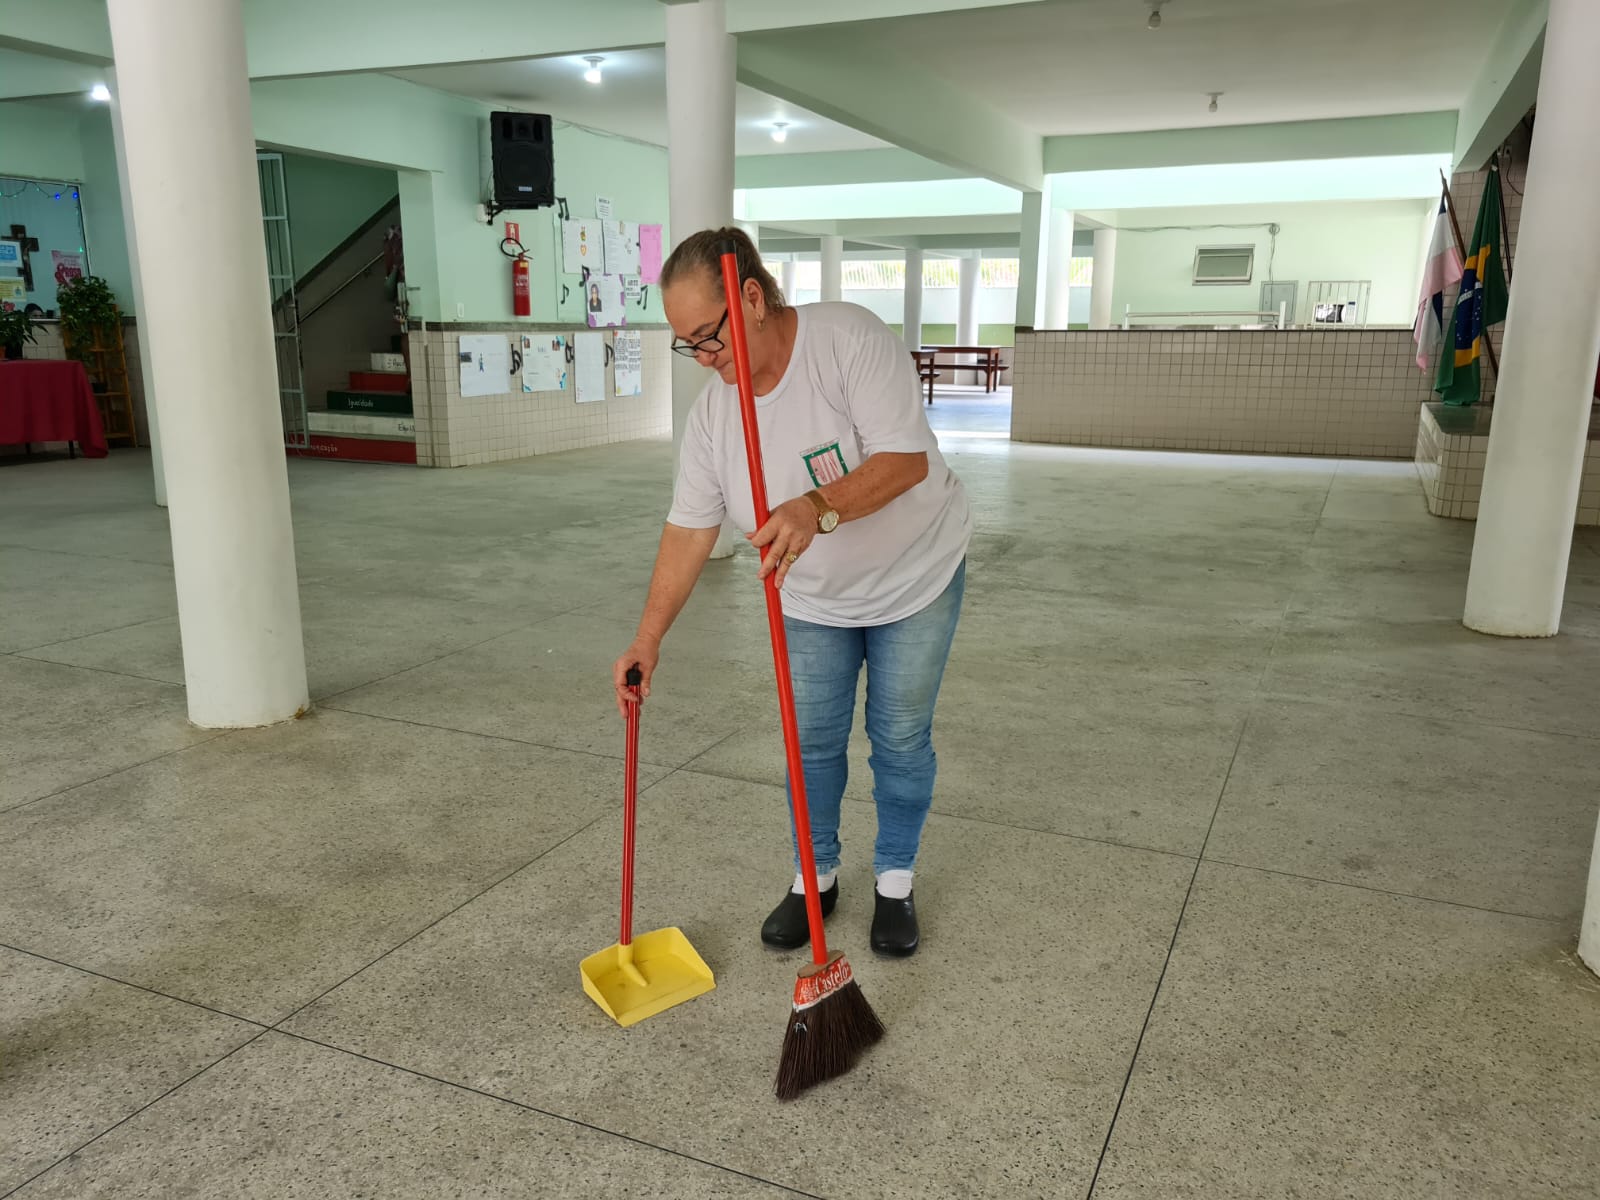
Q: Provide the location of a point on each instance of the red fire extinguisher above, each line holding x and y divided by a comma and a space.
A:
521, 287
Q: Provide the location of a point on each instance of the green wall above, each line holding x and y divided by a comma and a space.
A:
328, 201
1378, 240
945, 335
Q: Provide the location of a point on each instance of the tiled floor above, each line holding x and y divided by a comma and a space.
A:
1252, 872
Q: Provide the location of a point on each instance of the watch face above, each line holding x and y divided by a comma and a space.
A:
829, 521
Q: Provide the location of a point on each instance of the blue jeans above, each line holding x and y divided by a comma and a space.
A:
905, 664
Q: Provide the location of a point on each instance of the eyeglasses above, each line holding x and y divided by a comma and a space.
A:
707, 345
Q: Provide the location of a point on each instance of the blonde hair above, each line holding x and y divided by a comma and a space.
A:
702, 253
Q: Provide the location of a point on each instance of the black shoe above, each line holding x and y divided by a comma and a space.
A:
894, 926
787, 927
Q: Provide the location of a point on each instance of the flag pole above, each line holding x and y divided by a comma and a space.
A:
1461, 249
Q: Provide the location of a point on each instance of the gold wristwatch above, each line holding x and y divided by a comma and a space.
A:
827, 517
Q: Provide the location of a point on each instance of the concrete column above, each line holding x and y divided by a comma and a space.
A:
967, 314
791, 279
1032, 268
912, 319
1552, 340
700, 87
1105, 273
832, 268
1058, 270
146, 372
184, 104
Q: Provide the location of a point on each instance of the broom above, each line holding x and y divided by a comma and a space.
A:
831, 1023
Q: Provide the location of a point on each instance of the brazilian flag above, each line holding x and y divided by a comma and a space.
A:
1481, 303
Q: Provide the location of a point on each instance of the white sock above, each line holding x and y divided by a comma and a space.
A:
824, 882
894, 885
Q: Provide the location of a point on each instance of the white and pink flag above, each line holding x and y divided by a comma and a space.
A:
1440, 272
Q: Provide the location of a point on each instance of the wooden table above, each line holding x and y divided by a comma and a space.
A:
932, 360
49, 400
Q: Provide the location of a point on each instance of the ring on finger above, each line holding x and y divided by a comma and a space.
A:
791, 557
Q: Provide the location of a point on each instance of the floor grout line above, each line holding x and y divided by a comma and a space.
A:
1155, 995
138, 987
83, 637
214, 735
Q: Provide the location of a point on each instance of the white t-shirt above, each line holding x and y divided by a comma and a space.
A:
851, 390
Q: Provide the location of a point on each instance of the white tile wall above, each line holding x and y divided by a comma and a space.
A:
1352, 392
458, 431
1452, 448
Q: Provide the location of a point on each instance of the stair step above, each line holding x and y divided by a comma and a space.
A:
380, 381
354, 401
365, 425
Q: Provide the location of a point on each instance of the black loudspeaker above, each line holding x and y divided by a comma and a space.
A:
524, 160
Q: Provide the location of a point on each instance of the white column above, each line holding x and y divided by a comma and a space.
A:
912, 319
967, 313
832, 268
1058, 270
791, 279
1541, 414
184, 98
147, 373
1105, 274
1032, 267
700, 87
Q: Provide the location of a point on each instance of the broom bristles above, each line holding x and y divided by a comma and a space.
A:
830, 1027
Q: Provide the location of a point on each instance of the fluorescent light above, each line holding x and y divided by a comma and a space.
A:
593, 73
780, 131
100, 92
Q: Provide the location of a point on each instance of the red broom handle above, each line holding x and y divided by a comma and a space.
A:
630, 807
780, 643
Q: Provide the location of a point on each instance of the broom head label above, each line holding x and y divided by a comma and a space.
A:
812, 990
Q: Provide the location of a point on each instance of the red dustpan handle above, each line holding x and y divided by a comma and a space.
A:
780, 643
630, 807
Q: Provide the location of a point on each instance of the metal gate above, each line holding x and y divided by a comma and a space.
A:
285, 305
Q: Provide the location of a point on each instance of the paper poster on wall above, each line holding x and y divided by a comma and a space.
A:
604, 301
632, 289
627, 363
603, 208
544, 362
12, 293
485, 364
582, 246
590, 355
622, 248
649, 253
67, 266
10, 252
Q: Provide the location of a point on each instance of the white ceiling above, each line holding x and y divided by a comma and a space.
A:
631, 100
1092, 66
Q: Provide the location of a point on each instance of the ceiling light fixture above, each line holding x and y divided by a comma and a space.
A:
100, 92
780, 131
1155, 14
594, 61
1212, 107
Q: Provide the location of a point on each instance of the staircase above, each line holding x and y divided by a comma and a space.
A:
370, 419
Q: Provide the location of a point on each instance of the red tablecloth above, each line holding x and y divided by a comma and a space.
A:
49, 400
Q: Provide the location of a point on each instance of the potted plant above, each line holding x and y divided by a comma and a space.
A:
88, 313
16, 327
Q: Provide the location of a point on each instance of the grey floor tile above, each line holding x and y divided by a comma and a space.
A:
1312, 1040
261, 868
50, 597
283, 1117
79, 1053
1021, 933
1466, 813
1087, 754
62, 726
551, 684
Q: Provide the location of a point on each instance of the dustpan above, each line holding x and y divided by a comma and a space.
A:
640, 977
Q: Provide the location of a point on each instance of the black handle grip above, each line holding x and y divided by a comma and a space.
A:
634, 677
727, 246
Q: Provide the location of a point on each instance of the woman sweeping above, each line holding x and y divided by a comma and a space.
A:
869, 545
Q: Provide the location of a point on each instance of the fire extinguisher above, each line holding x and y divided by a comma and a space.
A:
521, 287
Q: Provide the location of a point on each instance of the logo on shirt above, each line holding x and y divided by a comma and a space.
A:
825, 464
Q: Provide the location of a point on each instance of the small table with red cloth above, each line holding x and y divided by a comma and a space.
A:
49, 400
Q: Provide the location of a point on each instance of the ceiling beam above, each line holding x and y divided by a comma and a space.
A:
73, 30
896, 101
1506, 87
889, 165
1282, 141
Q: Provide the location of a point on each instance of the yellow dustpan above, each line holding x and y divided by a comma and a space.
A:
639, 977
